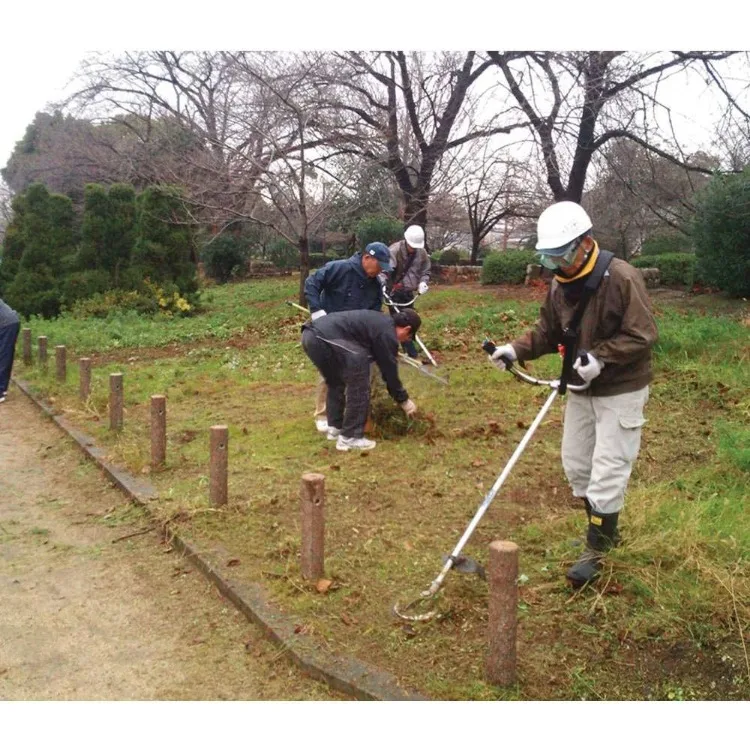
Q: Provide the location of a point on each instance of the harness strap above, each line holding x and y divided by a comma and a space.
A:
570, 334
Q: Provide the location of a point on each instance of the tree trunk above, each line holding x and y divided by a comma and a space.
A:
415, 209
304, 268
475, 240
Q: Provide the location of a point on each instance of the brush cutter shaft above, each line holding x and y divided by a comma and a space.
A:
397, 308
491, 494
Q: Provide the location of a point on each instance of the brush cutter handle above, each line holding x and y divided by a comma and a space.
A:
489, 347
511, 366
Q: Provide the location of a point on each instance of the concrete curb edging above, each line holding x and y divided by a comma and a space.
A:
343, 673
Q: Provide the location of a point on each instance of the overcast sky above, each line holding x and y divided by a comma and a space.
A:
34, 69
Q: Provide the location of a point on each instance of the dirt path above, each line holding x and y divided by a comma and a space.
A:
84, 616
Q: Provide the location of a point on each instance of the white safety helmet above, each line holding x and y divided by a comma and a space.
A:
414, 236
559, 225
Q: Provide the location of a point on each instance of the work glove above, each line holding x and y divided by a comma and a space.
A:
409, 407
507, 351
591, 370
318, 314
422, 288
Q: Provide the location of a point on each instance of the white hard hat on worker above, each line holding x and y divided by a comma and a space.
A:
560, 229
414, 236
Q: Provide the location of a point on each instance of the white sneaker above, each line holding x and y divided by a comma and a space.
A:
333, 433
360, 444
321, 425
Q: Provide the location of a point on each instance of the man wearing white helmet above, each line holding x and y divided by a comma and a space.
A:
411, 271
616, 327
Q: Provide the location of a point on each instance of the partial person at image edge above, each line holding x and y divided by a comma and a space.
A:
9, 328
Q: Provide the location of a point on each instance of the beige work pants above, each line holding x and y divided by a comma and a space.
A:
601, 440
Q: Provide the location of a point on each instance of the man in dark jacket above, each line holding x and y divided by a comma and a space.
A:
350, 284
342, 345
9, 327
602, 426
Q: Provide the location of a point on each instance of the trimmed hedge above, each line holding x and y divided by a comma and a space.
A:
508, 267
450, 257
665, 241
675, 269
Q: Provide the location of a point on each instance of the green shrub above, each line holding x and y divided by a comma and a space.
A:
318, 259
225, 257
508, 267
378, 229
83, 284
282, 254
450, 257
665, 241
675, 269
150, 299
721, 233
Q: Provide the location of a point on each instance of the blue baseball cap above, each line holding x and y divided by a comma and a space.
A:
380, 252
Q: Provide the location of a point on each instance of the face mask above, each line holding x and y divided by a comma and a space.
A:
553, 262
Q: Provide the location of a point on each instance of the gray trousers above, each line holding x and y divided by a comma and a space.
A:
347, 377
601, 440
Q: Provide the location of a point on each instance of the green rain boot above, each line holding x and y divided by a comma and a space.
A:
601, 537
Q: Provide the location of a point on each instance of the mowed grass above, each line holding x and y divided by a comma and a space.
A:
668, 619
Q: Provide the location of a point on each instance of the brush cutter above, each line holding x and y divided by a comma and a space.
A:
455, 561
416, 364
397, 307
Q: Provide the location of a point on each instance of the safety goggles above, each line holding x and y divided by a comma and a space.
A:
560, 256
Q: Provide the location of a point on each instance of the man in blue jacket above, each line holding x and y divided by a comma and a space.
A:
9, 327
350, 284
342, 345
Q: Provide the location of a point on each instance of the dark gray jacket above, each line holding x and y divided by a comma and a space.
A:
364, 333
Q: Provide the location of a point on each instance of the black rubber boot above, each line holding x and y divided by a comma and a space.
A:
600, 538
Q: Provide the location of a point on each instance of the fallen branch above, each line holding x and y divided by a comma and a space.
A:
135, 533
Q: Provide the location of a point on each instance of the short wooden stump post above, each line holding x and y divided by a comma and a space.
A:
312, 497
219, 464
158, 431
84, 373
26, 339
61, 363
115, 401
502, 576
42, 356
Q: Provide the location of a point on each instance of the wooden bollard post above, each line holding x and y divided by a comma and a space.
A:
84, 372
61, 363
115, 401
219, 464
26, 338
158, 431
42, 357
502, 575
312, 496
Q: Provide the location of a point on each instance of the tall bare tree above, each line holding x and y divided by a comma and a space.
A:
407, 111
577, 102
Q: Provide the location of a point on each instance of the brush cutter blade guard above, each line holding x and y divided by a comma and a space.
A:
411, 611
